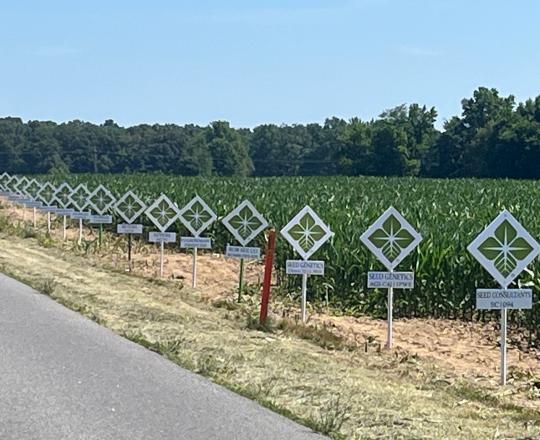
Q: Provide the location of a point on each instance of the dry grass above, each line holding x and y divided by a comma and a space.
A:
308, 374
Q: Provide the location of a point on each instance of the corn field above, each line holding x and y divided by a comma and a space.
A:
448, 214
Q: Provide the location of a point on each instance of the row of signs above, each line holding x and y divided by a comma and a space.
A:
504, 248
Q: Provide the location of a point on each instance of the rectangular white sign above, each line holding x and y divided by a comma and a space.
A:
85, 215
195, 242
305, 267
165, 237
101, 219
247, 253
489, 299
128, 228
34, 204
386, 280
51, 209
64, 211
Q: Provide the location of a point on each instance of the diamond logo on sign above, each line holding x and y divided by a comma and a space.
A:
61, 195
163, 213
32, 188
504, 248
46, 193
101, 200
245, 222
306, 232
197, 216
130, 207
79, 197
391, 238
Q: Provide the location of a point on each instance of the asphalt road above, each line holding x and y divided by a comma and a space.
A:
64, 377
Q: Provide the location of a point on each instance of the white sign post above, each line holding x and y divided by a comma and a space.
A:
162, 213
46, 195
130, 207
306, 233
61, 196
196, 217
391, 238
79, 199
504, 249
244, 222
101, 201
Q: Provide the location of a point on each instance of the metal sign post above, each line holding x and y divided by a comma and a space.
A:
244, 222
196, 216
390, 238
504, 249
306, 233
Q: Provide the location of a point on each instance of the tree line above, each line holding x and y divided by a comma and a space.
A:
493, 137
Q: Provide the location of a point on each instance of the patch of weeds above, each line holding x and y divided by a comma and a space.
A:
28, 232
319, 335
5, 224
469, 392
158, 281
211, 365
253, 323
84, 310
252, 289
225, 303
171, 349
332, 416
45, 240
47, 286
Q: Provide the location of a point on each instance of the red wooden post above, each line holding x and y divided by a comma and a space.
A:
268, 263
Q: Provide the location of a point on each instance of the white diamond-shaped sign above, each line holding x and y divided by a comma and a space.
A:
163, 212
12, 183
306, 232
504, 248
391, 238
4, 179
79, 197
32, 188
101, 200
46, 193
244, 222
197, 216
62, 194
20, 185
130, 207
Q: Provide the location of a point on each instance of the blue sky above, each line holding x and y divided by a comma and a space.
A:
253, 62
